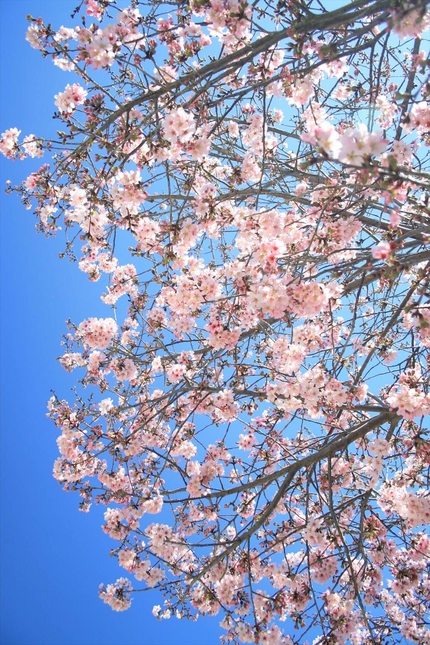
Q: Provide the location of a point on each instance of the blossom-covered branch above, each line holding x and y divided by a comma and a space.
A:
260, 381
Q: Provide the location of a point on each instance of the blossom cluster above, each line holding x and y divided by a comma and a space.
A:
69, 100
98, 333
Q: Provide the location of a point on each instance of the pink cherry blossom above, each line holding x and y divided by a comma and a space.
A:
68, 100
9, 143
98, 333
382, 251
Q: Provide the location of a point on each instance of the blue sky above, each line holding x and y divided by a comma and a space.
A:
53, 557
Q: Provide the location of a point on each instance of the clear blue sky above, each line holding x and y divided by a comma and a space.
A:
52, 556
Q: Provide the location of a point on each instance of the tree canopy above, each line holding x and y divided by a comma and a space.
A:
250, 181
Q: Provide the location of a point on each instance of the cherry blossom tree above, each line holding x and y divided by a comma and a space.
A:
250, 181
